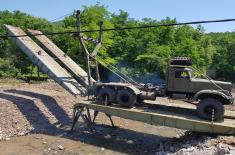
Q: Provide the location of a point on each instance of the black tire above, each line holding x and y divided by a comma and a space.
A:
170, 95
105, 94
205, 106
139, 100
126, 98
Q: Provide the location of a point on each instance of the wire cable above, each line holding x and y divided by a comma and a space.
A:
124, 28
207, 77
201, 73
128, 78
105, 65
55, 19
166, 25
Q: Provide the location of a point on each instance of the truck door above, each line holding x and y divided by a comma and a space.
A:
181, 81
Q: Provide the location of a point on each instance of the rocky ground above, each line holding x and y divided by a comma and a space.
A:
36, 119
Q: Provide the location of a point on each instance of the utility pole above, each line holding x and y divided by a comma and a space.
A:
93, 55
83, 46
95, 51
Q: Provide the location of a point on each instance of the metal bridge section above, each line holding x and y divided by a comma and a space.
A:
45, 62
186, 121
62, 57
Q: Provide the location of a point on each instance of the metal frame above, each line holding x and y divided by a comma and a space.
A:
98, 45
84, 113
157, 117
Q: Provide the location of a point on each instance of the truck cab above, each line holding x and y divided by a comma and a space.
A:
180, 79
211, 95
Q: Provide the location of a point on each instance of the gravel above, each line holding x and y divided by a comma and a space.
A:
31, 108
46, 108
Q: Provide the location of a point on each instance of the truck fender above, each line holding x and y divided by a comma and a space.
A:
211, 93
134, 89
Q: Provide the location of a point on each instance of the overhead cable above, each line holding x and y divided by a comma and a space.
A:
55, 19
123, 28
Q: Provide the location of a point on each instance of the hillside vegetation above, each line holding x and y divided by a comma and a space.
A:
137, 51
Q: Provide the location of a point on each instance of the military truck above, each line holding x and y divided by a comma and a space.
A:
210, 95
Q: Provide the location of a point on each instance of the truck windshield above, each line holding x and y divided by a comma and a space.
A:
182, 74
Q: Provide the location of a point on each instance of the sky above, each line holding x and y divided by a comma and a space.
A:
182, 10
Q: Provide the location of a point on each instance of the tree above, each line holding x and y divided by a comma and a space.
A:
135, 51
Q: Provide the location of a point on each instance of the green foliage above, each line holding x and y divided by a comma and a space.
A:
224, 58
137, 51
11, 55
7, 69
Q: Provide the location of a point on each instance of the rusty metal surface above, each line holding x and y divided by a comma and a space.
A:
45, 62
64, 59
165, 118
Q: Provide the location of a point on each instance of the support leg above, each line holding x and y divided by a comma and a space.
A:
87, 121
76, 114
95, 115
88, 114
110, 118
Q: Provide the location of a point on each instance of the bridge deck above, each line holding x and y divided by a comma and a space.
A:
63, 59
45, 62
186, 121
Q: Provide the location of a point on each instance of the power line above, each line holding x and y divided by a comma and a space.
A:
167, 25
124, 28
55, 19
29, 35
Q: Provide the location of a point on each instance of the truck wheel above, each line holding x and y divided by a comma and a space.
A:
206, 106
139, 100
106, 94
126, 98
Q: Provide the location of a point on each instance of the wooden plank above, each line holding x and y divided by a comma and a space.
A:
170, 119
64, 59
45, 62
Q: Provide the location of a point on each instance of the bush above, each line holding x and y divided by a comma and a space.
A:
7, 69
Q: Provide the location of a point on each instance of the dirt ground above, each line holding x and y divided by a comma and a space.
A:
36, 119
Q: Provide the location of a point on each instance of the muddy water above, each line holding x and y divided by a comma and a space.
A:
130, 137
45, 144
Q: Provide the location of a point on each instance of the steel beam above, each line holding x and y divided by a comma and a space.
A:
62, 57
170, 119
45, 62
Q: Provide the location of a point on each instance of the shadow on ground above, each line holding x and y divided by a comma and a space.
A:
116, 139
49, 102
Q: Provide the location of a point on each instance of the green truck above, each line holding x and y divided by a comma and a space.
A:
210, 95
